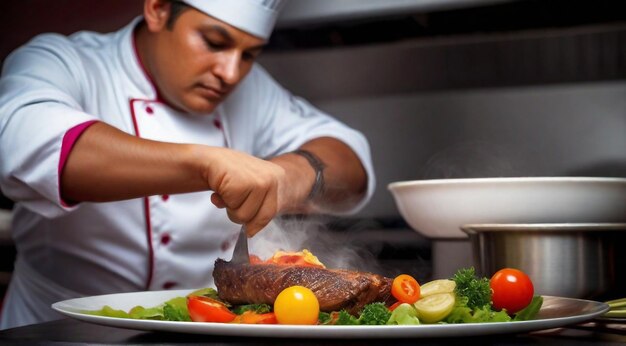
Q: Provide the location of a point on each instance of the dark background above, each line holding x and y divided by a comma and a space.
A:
21, 20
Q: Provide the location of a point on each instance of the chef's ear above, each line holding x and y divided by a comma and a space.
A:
156, 14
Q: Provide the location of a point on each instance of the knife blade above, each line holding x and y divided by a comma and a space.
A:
240, 253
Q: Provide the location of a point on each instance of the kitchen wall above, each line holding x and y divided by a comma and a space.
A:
529, 131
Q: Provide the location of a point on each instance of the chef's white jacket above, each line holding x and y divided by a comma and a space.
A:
55, 85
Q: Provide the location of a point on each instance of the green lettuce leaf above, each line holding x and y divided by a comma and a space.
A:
404, 314
461, 313
529, 312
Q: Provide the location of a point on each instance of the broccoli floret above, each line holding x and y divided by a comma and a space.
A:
372, 314
476, 290
324, 318
346, 319
337, 318
375, 314
463, 314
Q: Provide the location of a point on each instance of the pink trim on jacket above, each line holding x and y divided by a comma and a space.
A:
146, 201
69, 139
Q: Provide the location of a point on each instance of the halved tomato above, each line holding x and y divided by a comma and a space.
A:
405, 289
205, 309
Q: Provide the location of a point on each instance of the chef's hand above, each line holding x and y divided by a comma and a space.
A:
252, 190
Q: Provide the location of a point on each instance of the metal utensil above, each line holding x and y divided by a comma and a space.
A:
568, 260
240, 253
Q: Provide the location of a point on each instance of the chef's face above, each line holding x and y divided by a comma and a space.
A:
197, 60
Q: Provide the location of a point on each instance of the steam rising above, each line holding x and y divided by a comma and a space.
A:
337, 250
472, 159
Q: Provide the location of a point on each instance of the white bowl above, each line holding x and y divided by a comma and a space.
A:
438, 208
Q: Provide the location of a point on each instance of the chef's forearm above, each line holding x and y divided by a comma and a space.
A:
345, 179
106, 164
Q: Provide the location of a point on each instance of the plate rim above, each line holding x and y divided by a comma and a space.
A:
282, 331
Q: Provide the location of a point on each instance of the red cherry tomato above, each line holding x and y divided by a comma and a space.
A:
395, 305
205, 309
405, 289
511, 289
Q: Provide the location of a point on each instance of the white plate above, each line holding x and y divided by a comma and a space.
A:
438, 208
555, 312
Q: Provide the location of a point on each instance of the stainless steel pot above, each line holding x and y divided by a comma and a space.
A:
566, 260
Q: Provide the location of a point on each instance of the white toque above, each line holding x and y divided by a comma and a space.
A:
256, 17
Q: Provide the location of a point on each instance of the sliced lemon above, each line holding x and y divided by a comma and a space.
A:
437, 286
434, 308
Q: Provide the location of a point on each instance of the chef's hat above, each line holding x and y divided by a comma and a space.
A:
256, 17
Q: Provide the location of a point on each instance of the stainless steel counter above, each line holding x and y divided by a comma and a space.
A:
74, 332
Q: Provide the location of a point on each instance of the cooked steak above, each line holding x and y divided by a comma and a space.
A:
335, 289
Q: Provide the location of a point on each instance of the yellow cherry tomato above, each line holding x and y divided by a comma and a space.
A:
296, 305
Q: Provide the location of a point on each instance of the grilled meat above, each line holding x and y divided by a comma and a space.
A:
335, 289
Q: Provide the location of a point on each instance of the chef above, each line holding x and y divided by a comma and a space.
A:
134, 157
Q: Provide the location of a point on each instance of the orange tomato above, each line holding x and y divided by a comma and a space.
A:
251, 317
205, 309
405, 289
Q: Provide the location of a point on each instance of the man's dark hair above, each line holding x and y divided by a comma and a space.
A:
176, 8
